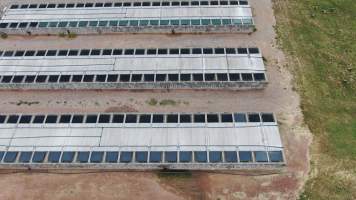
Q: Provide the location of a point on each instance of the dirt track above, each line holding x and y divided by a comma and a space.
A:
279, 97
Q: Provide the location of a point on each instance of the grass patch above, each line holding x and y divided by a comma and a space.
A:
152, 102
254, 29
69, 35
3, 35
186, 103
185, 183
319, 37
62, 34
167, 102
172, 175
29, 103
72, 35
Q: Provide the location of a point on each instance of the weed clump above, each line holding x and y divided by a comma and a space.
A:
3, 35
152, 102
167, 102
72, 35
174, 175
61, 34
69, 35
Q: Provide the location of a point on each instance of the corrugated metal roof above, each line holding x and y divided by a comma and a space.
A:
251, 136
18, 15
126, 64
143, 140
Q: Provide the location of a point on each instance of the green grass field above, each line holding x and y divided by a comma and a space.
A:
319, 37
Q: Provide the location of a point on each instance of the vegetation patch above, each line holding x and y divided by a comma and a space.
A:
3, 35
72, 35
167, 102
29, 103
68, 35
174, 175
62, 34
319, 37
152, 102
183, 183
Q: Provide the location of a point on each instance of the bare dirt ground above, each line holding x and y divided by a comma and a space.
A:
278, 97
